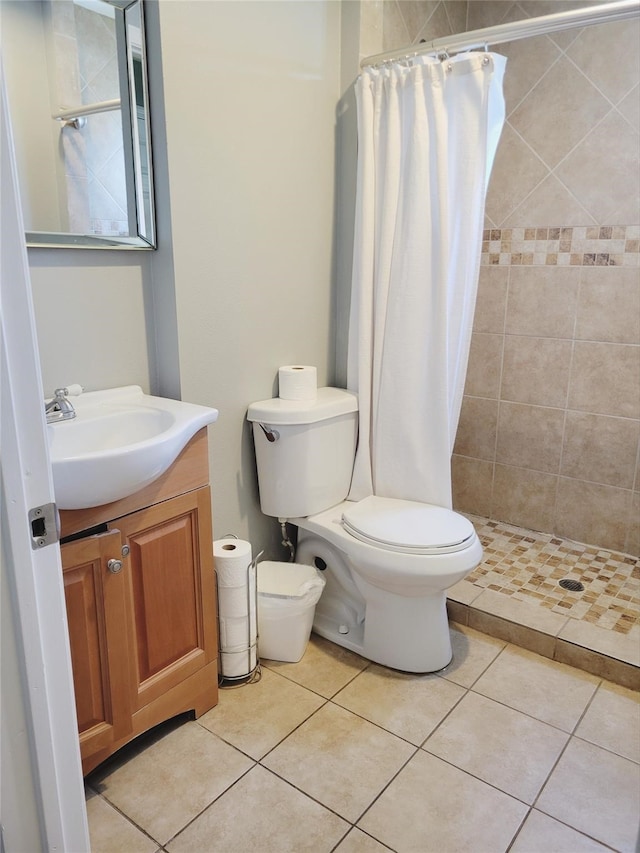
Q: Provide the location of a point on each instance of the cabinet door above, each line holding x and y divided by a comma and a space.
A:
172, 595
95, 598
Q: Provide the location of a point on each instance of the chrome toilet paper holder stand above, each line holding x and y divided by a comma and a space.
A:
254, 673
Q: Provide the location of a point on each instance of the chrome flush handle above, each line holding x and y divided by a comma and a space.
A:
271, 434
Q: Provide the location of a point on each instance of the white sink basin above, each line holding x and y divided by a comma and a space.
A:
120, 441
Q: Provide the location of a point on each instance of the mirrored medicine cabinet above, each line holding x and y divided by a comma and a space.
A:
76, 78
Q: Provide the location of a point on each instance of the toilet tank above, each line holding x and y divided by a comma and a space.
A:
307, 466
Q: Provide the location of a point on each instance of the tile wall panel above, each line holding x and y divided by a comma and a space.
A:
550, 425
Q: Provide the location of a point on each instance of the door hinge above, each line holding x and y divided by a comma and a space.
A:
45, 525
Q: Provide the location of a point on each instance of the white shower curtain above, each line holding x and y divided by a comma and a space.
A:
427, 135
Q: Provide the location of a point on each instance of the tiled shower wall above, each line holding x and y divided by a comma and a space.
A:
550, 426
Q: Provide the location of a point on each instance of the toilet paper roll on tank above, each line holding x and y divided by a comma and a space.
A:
297, 382
237, 611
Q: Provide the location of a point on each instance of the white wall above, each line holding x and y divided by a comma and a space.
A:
94, 316
250, 92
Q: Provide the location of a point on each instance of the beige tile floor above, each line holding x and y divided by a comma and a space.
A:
504, 750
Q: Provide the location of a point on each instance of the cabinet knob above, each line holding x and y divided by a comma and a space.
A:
114, 566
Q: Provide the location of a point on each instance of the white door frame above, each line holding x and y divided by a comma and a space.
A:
34, 575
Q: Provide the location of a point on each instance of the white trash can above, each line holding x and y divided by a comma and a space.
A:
287, 598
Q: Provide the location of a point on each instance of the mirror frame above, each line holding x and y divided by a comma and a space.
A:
139, 237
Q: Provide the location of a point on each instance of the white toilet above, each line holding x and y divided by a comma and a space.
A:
387, 563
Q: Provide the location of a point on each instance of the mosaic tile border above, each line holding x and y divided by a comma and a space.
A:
588, 246
528, 565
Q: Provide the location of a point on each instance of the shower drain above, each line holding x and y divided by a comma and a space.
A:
574, 586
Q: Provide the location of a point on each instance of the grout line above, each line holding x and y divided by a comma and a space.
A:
505, 313
490, 664
448, 714
311, 689
534, 85
594, 83
519, 829
580, 832
570, 379
606, 749
479, 779
215, 800
306, 794
404, 23
427, 677
568, 734
621, 114
550, 173
445, 7
550, 774
364, 832
565, 157
384, 788
295, 729
127, 817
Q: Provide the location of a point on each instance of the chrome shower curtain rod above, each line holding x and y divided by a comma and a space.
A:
528, 28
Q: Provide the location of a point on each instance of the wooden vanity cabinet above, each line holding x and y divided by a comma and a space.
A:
143, 636
96, 613
169, 595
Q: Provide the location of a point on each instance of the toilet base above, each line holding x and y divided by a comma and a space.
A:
352, 639
411, 634
389, 636
401, 623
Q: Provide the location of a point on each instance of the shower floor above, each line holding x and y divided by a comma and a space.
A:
515, 594
529, 566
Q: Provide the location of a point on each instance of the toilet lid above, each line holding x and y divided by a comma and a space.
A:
407, 526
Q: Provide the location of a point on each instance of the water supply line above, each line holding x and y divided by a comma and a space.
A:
285, 539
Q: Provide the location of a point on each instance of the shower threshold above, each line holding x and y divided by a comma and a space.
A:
515, 594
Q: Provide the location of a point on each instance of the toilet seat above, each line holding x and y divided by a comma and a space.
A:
407, 527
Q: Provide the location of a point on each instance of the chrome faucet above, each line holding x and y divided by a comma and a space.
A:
59, 408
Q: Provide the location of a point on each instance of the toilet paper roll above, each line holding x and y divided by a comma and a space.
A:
234, 636
237, 607
232, 602
232, 557
238, 664
297, 382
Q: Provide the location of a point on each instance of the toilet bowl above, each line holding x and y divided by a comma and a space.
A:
387, 563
